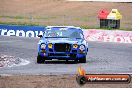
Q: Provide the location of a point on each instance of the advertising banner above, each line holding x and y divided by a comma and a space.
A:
89, 34
23, 31
108, 35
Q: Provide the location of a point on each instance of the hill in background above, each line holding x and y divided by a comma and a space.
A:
60, 12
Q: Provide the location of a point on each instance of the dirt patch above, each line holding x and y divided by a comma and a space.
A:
61, 12
63, 81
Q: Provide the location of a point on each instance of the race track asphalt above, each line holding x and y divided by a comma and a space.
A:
102, 58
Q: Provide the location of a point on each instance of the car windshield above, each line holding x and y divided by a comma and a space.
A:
63, 33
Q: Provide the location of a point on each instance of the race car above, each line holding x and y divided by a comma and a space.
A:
62, 43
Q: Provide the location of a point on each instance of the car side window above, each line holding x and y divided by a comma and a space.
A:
75, 35
81, 35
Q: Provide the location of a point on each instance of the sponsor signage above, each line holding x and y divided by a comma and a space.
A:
22, 31
108, 35
89, 34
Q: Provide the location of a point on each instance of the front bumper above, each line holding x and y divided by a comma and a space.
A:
62, 56
62, 51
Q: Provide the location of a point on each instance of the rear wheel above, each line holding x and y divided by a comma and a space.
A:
82, 60
40, 59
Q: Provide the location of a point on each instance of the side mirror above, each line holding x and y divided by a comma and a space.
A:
40, 36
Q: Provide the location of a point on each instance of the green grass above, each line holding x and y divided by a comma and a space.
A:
35, 24
20, 23
46, 18
126, 29
30, 17
13, 17
85, 19
82, 26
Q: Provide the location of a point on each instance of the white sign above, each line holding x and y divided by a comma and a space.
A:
21, 33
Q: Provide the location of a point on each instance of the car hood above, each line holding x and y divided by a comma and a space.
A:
64, 40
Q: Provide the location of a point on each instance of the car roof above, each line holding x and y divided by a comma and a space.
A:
77, 28
59, 26
63, 27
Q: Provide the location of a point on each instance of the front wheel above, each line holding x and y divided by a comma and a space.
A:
76, 61
82, 60
40, 59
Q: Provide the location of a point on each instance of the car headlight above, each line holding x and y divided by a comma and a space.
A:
50, 45
75, 46
43, 46
82, 47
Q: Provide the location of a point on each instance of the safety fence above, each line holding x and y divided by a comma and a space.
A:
90, 34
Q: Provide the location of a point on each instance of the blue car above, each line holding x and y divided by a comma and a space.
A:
62, 43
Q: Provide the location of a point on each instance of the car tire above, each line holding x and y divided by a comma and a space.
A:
76, 61
83, 59
67, 61
40, 59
